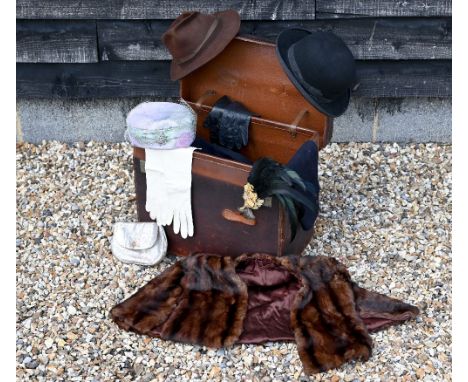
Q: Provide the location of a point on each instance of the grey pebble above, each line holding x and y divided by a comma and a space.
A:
31, 365
75, 261
148, 377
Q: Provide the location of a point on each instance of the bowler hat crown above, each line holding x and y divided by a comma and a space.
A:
323, 61
320, 66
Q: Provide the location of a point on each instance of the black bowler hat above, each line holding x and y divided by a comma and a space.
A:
321, 67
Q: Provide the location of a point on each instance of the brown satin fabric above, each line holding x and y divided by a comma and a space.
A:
271, 289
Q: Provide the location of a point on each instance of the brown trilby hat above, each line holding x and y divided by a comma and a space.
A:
195, 38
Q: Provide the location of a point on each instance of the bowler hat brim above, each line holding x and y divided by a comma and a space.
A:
287, 38
227, 29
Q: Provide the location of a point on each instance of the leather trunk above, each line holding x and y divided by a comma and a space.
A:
249, 72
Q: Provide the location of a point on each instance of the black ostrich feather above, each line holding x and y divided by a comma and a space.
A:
271, 179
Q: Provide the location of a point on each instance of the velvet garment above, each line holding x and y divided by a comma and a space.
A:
219, 301
305, 163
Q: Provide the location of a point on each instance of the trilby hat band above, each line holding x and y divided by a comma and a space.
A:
209, 33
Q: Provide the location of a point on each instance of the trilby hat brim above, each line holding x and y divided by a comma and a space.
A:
287, 38
227, 28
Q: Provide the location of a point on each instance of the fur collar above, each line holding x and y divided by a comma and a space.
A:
218, 301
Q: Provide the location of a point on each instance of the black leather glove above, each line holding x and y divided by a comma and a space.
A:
229, 123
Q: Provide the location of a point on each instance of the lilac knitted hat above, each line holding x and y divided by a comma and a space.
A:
161, 125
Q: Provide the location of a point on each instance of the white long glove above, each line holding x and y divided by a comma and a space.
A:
169, 180
155, 186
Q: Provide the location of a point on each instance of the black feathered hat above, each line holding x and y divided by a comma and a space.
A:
269, 178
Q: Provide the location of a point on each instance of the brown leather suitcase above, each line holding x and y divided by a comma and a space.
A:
249, 72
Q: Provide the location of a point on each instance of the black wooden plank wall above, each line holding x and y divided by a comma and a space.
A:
112, 48
162, 9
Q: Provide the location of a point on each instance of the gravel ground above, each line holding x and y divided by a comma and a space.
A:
386, 214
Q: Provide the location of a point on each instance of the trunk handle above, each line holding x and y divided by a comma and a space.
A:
295, 123
237, 217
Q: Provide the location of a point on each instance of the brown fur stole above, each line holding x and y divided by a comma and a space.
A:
218, 301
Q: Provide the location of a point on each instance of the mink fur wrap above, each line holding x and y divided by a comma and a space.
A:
219, 301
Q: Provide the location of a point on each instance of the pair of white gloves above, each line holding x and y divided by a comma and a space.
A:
168, 186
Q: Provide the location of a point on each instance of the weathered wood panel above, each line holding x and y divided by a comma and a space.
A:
388, 8
162, 9
151, 78
370, 38
132, 40
405, 78
102, 80
377, 38
56, 41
